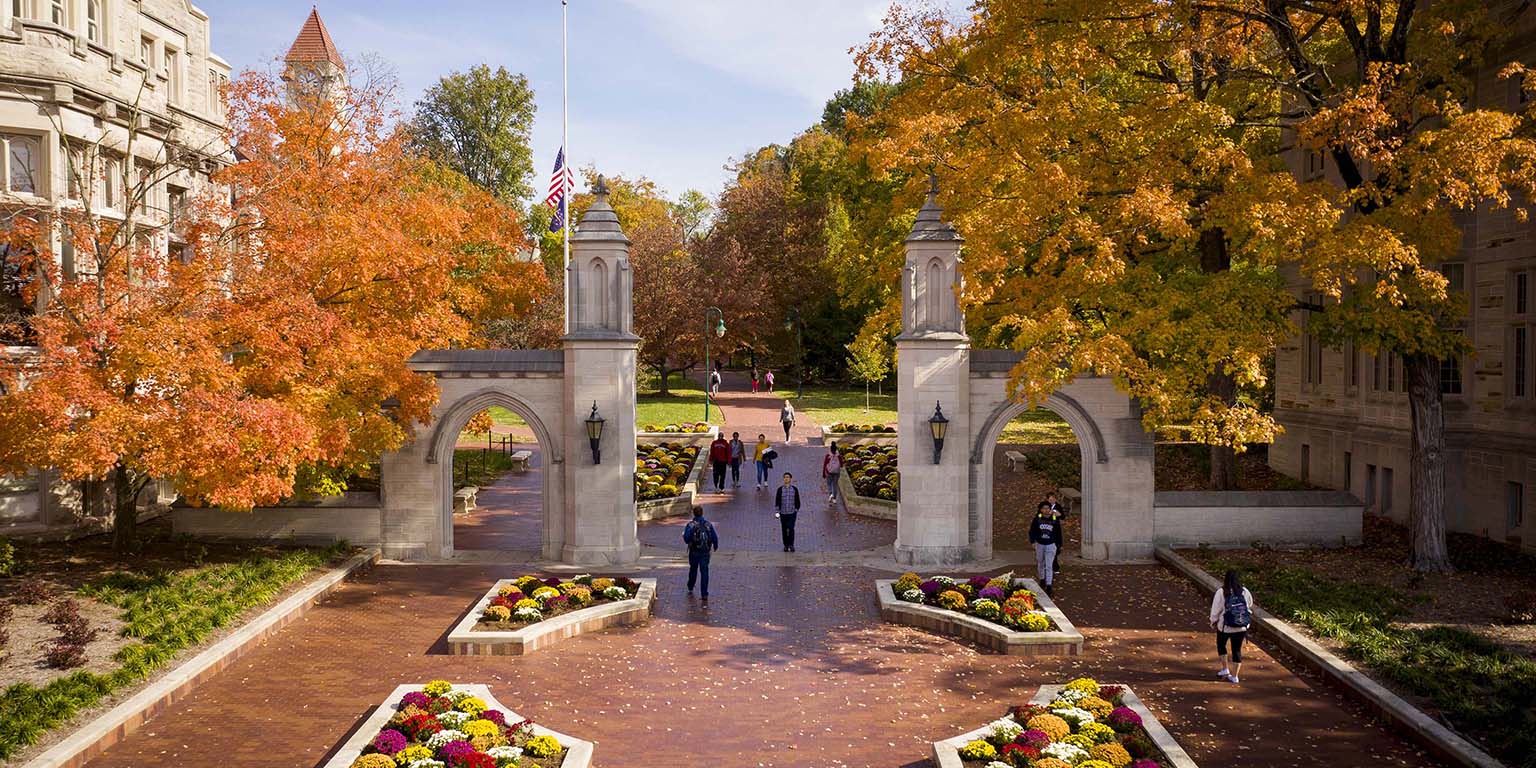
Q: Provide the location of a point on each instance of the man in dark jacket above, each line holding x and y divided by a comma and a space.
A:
1045, 534
719, 459
702, 541
786, 501
1050, 498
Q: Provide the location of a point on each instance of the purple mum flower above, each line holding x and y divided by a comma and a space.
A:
991, 593
389, 741
931, 587
453, 750
495, 716
552, 582
1145, 764
978, 581
1124, 716
421, 700
1034, 738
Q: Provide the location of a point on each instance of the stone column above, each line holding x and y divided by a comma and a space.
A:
933, 369
600, 360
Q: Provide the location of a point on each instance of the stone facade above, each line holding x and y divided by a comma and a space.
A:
1345, 412
93, 94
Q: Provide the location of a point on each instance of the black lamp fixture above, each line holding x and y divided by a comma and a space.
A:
938, 425
595, 434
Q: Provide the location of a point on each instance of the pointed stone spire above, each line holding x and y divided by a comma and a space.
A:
930, 224
599, 221
314, 43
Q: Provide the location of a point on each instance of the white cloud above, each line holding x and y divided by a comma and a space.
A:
797, 47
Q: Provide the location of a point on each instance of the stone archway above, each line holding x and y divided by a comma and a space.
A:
445, 436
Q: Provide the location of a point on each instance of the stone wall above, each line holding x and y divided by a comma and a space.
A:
1243, 518
318, 524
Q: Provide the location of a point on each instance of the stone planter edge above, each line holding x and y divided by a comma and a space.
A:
999, 638
519, 641
879, 509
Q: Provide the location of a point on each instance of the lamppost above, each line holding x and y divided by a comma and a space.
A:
792, 322
595, 434
718, 329
937, 425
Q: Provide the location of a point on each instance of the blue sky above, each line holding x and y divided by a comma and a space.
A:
669, 89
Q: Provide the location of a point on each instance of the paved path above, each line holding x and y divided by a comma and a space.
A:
786, 667
509, 514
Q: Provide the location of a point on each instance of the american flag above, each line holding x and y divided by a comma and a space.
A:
560, 182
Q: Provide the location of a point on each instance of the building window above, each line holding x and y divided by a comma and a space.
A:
1349, 470
1520, 361
93, 21
1455, 273
1514, 503
1450, 376
21, 163
147, 52
1386, 489
56, 13
67, 253
1370, 486
1391, 365
1522, 291
177, 203
1314, 165
1306, 462
1352, 358
111, 181
173, 75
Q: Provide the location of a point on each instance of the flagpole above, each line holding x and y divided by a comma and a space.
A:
565, 127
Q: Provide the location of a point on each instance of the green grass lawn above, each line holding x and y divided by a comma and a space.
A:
477, 467
830, 405
684, 402
1038, 426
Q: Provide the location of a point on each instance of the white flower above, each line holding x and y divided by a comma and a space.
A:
580, 576
527, 613
616, 593
458, 696
444, 736
1075, 717
998, 764
453, 719
1070, 695
1069, 753
1004, 730
427, 762
505, 756
945, 580
912, 595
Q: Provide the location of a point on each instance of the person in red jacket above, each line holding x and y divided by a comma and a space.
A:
831, 467
720, 459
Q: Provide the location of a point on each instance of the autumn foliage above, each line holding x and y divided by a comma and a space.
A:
267, 358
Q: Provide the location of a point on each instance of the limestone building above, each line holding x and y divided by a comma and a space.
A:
1346, 414
99, 100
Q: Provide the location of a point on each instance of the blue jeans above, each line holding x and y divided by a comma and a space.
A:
698, 565
1045, 555
762, 472
832, 484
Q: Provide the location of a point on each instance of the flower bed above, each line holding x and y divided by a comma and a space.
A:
522, 615
871, 469
1009, 615
861, 429
1078, 725
662, 469
684, 428
442, 725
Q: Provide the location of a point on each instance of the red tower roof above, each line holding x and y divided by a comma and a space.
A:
314, 42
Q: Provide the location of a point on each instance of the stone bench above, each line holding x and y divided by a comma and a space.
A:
520, 460
1071, 498
1015, 459
464, 500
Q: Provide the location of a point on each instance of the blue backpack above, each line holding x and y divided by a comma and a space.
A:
1237, 615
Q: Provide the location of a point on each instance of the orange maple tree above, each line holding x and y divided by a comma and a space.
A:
262, 361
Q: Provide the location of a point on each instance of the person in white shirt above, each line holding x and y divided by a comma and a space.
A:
1231, 615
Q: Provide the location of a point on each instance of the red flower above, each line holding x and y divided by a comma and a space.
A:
476, 760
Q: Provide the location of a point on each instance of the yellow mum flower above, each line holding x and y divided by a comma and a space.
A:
437, 688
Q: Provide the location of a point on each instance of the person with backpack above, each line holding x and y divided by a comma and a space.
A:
719, 459
768, 380
754, 381
831, 467
714, 383
1231, 615
1045, 534
702, 540
760, 457
787, 418
786, 502
738, 452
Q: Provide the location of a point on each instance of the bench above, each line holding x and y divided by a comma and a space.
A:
1071, 498
520, 460
1015, 459
464, 500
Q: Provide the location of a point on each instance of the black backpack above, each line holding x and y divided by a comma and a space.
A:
699, 542
1237, 615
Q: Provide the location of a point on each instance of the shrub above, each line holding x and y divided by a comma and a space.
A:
1520, 608
63, 654
951, 600
1034, 622
62, 612
32, 592
8, 563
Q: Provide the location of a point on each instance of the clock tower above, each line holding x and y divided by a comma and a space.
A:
314, 69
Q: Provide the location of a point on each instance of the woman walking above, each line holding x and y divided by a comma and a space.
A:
768, 380
754, 381
1045, 534
1231, 613
786, 418
831, 467
761, 460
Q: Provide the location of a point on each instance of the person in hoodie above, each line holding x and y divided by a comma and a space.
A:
738, 454
1045, 534
719, 459
786, 503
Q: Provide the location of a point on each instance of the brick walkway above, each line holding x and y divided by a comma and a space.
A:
509, 514
787, 667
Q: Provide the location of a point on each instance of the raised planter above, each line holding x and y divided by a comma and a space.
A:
674, 506
857, 438
578, 752
866, 506
465, 640
679, 437
1065, 640
946, 753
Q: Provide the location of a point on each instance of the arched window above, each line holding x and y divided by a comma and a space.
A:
93, 21
935, 288
21, 160
597, 305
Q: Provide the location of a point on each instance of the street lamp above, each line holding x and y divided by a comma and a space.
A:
937, 425
718, 330
595, 434
793, 322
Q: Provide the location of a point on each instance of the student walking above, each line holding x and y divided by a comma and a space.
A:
714, 383
1045, 534
759, 457
719, 458
786, 502
1050, 498
738, 452
754, 381
768, 379
786, 418
831, 468
702, 540
1231, 614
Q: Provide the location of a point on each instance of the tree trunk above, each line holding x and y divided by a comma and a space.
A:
866, 397
1426, 470
666, 373
125, 511
1215, 258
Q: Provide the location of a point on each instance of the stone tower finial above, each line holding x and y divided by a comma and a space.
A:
600, 187
930, 224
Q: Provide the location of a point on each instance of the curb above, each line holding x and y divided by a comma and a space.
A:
1428, 732
98, 735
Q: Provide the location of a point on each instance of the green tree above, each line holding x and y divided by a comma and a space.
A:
477, 123
869, 361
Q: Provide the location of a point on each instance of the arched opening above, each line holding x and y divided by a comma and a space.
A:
597, 308
498, 474
934, 287
1023, 453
